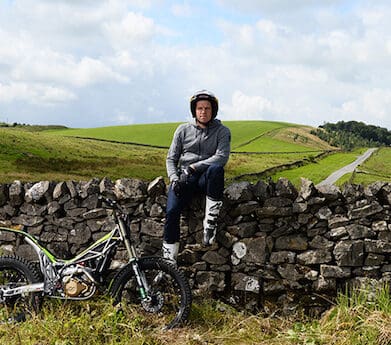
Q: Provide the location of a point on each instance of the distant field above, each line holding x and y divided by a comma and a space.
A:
256, 136
57, 155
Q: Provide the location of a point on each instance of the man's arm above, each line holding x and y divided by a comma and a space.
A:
221, 155
173, 156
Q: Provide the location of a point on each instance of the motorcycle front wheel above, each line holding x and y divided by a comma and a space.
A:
169, 294
16, 272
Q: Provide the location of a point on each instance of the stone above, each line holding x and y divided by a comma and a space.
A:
324, 213
214, 258
130, 189
243, 229
256, 250
357, 231
89, 188
243, 282
156, 187
329, 192
314, 257
3, 194
336, 221
307, 190
380, 225
80, 235
337, 233
365, 211
262, 191
283, 257
278, 202
152, 228
244, 208
210, 281
331, 271
16, 195
239, 192
95, 213
320, 242
273, 211
60, 189
377, 246
285, 189
349, 253
239, 250
291, 242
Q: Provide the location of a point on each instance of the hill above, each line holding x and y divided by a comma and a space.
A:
139, 150
247, 136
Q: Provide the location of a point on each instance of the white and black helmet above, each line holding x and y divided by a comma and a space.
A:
204, 95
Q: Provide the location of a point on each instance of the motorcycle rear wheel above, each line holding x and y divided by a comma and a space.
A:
16, 271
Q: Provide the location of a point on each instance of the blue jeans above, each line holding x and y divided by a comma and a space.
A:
210, 182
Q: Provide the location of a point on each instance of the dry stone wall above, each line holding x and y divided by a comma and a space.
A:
273, 242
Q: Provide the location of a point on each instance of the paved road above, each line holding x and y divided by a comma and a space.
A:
347, 169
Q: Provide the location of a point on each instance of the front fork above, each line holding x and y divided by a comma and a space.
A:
141, 281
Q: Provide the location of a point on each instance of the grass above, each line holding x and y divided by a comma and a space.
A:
362, 317
376, 168
29, 155
48, 155
254, 136
321, 169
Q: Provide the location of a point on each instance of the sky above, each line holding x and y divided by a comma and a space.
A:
94, 63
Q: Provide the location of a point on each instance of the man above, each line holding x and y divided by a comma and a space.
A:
195, 162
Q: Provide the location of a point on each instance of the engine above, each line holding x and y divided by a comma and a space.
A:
78, 283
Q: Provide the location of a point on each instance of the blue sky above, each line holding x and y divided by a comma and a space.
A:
92, 63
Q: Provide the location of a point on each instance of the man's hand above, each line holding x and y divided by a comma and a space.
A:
179, 185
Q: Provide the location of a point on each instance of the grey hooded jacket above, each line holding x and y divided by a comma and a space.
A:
200, 147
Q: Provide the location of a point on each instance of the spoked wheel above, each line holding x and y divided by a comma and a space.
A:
15, 272
169, 296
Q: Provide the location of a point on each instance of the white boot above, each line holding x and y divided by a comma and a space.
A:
212, 211
170, 251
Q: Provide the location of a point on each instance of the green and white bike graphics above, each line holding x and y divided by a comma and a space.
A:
152, 284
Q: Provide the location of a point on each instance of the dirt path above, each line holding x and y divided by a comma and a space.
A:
347, 169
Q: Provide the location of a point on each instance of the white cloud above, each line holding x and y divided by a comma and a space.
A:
302, 61
36, 94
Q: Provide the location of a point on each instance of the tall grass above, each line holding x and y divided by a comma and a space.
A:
359, 317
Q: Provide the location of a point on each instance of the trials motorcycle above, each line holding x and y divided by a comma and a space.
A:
153, 284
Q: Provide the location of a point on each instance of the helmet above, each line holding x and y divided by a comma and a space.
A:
204, 95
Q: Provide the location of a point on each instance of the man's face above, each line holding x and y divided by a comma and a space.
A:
203, 112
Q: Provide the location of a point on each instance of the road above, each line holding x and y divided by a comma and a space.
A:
347, 169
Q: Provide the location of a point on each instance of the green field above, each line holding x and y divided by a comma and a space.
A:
63, 154
256, 136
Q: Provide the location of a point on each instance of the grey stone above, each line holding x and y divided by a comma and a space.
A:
39, 191
365, 211
377, 246
243, 282
210, 281
239, 192
151, 228
16, 193
156, 187
3, 194
357, 231
243, 229
349, 253
130, 189
331, 271
330, 192
314, 257
292, 242
214, 258
285, 189
283, 257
